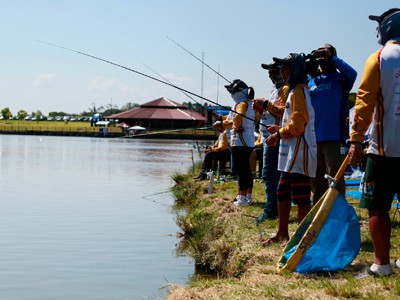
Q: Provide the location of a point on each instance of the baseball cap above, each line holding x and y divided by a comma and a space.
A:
384, 15
284, 61
236, 86
273, 66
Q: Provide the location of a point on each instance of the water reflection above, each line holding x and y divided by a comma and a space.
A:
86, 218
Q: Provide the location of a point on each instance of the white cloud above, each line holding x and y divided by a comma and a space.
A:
45, 79
104, 85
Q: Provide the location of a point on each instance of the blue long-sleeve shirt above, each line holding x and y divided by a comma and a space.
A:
329, 97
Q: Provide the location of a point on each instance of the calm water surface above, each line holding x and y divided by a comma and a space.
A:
87, 218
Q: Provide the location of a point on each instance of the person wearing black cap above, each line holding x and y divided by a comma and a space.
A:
271, 114
297, 146
378, 101
242, 138
330, 86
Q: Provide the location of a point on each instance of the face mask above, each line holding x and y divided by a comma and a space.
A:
379, 36
240, 96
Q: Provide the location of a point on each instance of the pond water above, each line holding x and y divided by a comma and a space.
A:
89, 218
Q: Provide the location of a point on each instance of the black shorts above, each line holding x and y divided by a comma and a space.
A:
381, 182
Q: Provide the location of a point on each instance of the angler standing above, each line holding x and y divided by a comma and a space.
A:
271, 114
378, 101
297, 146
242, 138
330, 86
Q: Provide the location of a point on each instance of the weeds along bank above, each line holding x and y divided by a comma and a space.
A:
225, 242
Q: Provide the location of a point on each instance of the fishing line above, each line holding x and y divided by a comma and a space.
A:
186, 94
156, 194
166, 131
147, 76
198, 59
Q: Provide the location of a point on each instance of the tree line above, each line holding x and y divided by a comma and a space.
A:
111, 109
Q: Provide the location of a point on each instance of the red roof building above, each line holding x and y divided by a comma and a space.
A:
161, 113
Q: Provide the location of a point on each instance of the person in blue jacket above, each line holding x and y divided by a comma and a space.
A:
330, 80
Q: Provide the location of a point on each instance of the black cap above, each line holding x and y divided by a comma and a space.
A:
384, 15
273, 66
284, 61
236, 86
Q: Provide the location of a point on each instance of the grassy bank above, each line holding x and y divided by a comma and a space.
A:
84, 129
225, 242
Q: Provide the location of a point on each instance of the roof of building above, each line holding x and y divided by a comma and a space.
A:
161, 108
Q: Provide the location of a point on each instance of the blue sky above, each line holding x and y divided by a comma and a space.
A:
235, 37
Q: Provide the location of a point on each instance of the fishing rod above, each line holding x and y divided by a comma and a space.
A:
198, 59
186, 94
147, 76
207, 127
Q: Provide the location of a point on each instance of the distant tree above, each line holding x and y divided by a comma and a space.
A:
38, 114
6, 113
129, 106
57, 113
93, 109
197, 107
22, 114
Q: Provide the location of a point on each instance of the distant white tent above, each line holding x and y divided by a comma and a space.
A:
136, 128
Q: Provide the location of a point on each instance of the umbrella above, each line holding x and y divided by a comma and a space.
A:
137, 128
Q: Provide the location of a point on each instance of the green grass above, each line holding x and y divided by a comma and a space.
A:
20, 125
224, 241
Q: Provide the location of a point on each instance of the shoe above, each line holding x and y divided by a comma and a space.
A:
396, 264
202, 176
367, 272
241, 201
199, 176
249, 199
264, 216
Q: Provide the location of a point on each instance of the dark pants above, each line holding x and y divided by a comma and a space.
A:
212, 158
271, 175
260, 158
241, 159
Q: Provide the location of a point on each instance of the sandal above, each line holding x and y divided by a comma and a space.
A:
274, 240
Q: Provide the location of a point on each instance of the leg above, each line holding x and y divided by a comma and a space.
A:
333, 161
284, 207
379, 186
319, 184
252, 162
302, 211
380, 229
271, 178
260, 161
301, 192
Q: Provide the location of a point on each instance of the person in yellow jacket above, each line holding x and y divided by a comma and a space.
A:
217, 155
242, 138
297, 146
378, 103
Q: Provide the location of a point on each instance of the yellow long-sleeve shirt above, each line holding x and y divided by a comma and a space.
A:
222, 143
299, 116
277, 109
